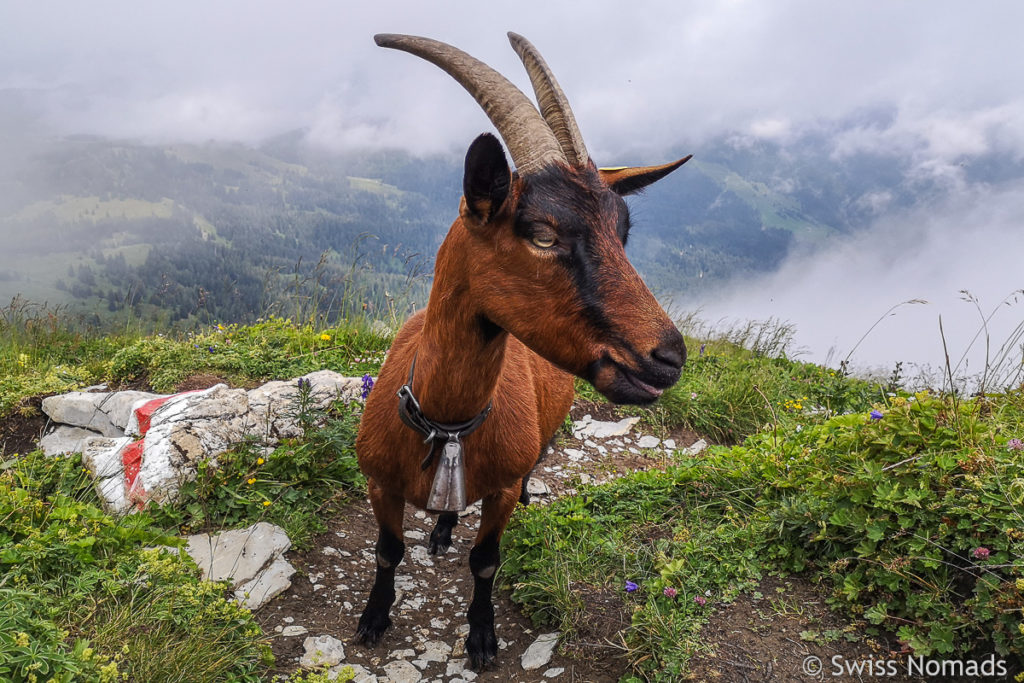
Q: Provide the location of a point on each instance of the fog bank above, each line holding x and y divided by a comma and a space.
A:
970, 241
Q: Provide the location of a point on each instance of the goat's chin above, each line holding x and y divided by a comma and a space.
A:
624, 387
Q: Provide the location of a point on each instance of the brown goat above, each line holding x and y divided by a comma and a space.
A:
531, 286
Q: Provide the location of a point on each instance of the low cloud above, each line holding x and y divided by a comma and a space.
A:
971, 241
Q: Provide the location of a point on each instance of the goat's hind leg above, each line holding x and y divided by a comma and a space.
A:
441, 536
388, 509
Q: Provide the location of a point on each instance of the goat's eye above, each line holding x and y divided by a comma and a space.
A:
544, 241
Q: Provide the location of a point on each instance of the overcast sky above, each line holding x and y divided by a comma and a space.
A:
641, 76
644, 78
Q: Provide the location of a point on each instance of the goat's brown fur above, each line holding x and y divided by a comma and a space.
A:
510, 321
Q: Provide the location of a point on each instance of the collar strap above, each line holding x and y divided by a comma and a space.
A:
412, 415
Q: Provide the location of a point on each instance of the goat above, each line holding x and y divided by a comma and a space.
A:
531, 286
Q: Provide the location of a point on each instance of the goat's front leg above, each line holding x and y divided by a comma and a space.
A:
481, 643
389, 510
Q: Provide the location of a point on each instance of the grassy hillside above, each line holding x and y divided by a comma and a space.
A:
186, 234
906, 508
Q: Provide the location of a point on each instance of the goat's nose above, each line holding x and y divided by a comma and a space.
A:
671, 351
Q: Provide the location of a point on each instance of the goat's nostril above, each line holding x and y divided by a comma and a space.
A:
670, 355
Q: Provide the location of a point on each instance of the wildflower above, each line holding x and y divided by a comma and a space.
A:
1020, 584
22, 359
210, 349
21, 640
981, 553
693, 395
367, 385
700, 600
325, 337
631, 587
250, 481
304, 384
220, 327
1015, 445
876, 415
260, 461
266, 503
670, 592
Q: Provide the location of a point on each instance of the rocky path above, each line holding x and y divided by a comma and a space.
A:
320, 610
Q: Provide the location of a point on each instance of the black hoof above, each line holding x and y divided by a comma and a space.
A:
481, 647
372, 626
441, 536
440, 541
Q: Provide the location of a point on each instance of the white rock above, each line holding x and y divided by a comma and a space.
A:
186, 430
648, 441
536, 487
239, 554
435, 651
573, 453
65, 439
290, 631
698, 447
361, 674
322, 651
540, 651
552, 673
603, 430
107, 413
669, 444
102, 457
401, 671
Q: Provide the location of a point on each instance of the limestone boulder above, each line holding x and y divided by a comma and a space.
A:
65, 439
184, 431
251, 559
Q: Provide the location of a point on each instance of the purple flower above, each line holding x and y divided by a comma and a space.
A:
981, 553
699, 599
670, 592
876, 414
367, 385
1015, 445
210, 349
304, 384
702, 350
631, 587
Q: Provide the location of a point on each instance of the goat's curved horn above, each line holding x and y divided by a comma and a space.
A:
554, 106
530, 141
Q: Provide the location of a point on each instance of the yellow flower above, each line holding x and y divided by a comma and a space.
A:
251, 481
260, 461
21, 640
325, 337
266, 503
1020, 584
22, 359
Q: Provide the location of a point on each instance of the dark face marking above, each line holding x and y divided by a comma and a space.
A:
584, 215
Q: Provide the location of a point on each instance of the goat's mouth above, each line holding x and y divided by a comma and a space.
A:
623, 385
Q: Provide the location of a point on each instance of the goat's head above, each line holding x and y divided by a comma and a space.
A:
547, 261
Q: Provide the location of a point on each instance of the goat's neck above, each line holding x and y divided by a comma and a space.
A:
458, 359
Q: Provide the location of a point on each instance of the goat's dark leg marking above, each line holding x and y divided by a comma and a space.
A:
441, 536
524, 493
481, 643
388, 509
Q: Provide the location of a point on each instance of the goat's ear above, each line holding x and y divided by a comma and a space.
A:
485, 185
629, 179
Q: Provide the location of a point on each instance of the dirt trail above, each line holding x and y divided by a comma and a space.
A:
429, 622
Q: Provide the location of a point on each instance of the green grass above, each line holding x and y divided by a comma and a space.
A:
83, 597
909, 515
46, 350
